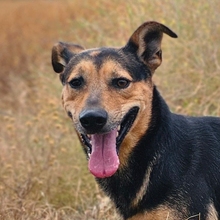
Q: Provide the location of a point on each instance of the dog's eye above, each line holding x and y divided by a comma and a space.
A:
121, 83
76, 83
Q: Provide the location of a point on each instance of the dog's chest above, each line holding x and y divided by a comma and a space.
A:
160, 213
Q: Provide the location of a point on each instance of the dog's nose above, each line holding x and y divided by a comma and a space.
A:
93, 120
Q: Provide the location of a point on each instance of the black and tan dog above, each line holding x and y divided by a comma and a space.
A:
152, 163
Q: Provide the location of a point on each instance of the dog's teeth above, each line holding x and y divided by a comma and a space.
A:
89, 136
117, 133
119, 127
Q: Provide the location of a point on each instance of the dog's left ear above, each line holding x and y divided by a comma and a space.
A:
62, 54
146, 43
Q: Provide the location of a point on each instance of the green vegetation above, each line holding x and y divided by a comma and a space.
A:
43, 171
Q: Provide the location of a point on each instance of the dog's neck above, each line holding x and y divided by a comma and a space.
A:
122, 186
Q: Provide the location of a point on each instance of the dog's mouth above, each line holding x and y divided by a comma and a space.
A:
103, 148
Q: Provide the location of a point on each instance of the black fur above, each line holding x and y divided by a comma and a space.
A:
187, 166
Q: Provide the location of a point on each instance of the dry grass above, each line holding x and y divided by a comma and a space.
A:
43, 171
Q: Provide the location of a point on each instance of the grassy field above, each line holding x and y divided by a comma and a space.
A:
43, 172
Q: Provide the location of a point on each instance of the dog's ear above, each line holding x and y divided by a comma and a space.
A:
62, 53
146, 43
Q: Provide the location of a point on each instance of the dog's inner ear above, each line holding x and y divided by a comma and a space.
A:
62, 53
146, 42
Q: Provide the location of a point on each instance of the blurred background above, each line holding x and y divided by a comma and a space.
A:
43, 171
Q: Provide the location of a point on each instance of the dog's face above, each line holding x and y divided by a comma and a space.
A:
108, 94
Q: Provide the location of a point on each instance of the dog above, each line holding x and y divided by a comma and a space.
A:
152, 163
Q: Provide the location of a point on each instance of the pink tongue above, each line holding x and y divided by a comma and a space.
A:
104, 160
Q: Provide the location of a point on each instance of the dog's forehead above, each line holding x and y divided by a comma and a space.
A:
112, 59
100, 55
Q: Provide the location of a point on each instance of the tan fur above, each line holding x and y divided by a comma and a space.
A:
110, 68
212, 213
74, 101
141, 95
160, 213
145, 184
143, 189
94, 53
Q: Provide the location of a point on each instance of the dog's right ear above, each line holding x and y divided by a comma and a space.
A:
62, 53
146, 43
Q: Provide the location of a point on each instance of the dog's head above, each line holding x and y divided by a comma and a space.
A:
108, 94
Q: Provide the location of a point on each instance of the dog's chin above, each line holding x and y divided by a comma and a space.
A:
103, 148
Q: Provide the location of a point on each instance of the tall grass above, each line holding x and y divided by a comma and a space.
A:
43, 171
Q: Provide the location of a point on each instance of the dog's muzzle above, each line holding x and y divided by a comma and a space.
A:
103, 143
